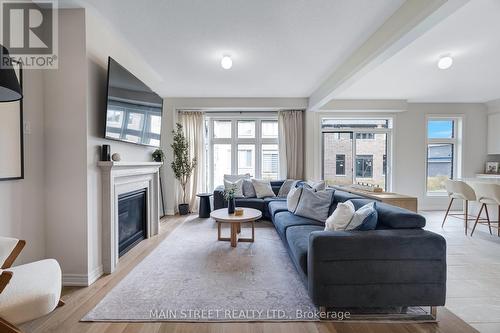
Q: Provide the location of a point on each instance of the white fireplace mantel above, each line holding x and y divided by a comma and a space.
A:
119, 178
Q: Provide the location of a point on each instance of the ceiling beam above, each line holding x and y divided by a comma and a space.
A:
409, 22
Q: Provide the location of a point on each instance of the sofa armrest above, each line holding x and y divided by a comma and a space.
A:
377, 268
219, 201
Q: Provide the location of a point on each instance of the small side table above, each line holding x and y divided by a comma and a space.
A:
204, 210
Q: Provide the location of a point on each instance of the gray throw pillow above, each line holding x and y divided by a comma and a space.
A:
263, 188
317, 186
248, 189
286, 187
314, 204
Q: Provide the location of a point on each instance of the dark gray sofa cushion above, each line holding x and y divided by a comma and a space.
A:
297, 238
265, 210
342, 196
277, 206
378, 268
284, 220
250, 203
392, 217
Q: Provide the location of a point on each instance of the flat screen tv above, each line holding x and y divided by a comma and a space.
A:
133, 111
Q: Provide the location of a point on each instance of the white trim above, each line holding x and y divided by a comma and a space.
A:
78, 280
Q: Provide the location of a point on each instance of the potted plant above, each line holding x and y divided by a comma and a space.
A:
229, 196
158, 155
182, 165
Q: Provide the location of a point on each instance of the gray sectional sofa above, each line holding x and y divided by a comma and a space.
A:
397, 265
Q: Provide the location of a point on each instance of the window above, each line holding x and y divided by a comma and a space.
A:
246, 129
270, 162
269, 129
356, 151
364, 166
246, 159
222, 129
340, 165
241, 145
222, 162
442, 147
365, 136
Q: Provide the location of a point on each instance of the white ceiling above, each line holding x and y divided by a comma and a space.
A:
471, 35
280, 48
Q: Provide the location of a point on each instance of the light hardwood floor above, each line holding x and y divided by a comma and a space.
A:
81, 300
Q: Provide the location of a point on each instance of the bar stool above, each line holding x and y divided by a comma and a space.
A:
460, 190
487, 194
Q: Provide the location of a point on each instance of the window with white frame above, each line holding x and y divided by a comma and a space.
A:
443, 152
242, 144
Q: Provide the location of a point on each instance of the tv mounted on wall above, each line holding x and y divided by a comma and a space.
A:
133, 110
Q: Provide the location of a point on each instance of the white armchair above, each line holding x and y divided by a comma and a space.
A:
26, 291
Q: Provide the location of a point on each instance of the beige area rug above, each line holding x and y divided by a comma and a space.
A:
191, 276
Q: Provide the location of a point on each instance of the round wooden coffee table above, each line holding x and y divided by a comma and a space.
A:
249, 215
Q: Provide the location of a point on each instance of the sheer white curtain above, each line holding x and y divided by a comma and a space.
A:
192, 123
291, 144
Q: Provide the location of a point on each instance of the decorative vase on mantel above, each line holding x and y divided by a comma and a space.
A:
231, 204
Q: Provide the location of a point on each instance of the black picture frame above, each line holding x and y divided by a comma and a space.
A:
21, 131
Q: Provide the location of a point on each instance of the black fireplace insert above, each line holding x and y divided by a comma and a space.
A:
132, 218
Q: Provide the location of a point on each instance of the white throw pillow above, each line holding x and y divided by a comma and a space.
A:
341, 216
293, 198
238, 187
263, 188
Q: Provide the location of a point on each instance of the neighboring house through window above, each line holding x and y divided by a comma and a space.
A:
340, 165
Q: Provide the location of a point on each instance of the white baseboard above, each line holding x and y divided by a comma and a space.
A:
82, 280
95, 274
170, 212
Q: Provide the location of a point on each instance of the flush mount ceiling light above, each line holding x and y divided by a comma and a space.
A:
226, 62
445, 62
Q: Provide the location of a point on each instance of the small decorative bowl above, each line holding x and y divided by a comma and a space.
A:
238, 211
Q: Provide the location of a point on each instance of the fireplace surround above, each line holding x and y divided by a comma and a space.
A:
119, 178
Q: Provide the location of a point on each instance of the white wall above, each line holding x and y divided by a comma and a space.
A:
65, 149
22, 202
409, 151
102, 41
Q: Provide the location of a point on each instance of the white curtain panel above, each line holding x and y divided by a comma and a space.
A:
291, 144
192, 123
